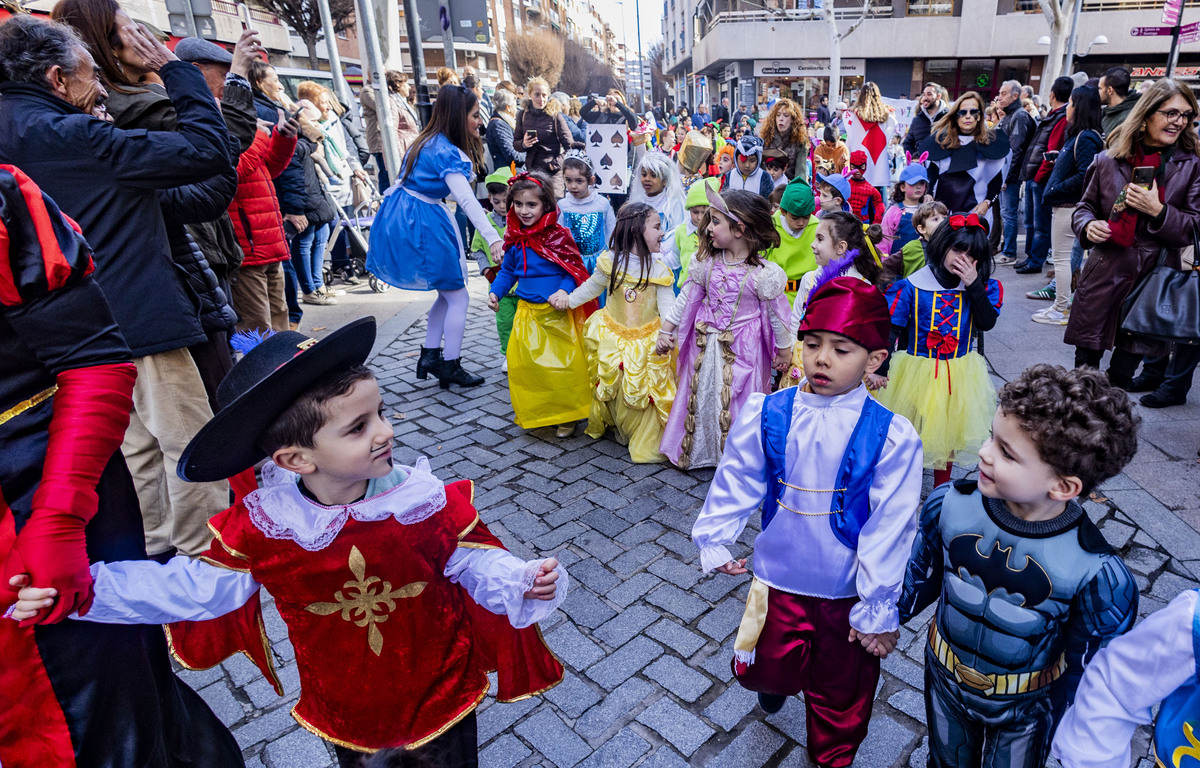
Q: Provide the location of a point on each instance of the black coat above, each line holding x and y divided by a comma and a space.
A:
499, 138
1019, 126
320, 207
920, 128
1065, 185
107, 180
1039, 141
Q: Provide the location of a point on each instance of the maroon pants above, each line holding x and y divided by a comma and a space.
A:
803, 648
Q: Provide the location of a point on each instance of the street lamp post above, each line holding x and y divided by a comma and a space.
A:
365, 11
340, 86
637, 10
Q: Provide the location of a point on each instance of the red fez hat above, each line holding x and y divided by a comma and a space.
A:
851, 307
858, 157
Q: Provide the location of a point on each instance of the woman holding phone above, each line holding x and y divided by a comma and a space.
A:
543, 133
1141, 195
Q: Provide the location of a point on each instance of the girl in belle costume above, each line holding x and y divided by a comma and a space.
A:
732, 319
633, 387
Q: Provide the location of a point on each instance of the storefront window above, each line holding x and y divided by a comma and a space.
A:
1012, 69
930, 8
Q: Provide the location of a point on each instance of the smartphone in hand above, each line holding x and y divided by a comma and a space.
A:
1143, 176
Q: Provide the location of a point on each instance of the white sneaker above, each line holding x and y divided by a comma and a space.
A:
566, 430
1050, 316
504, 366
318, 298
325, 289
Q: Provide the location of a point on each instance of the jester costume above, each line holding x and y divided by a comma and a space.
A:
72, 693
1021, 608
547, 366
838, 479
1158, 661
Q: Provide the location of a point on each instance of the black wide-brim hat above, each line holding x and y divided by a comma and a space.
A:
261, 386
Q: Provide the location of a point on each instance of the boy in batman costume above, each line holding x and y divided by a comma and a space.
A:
1027, 589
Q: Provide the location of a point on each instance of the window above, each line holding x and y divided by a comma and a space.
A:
932, 7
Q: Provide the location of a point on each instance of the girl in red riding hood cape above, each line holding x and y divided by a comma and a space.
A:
936, 380
547, 366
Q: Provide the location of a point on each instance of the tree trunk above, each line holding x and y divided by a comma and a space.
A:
1054, 59
835, 55
310, 42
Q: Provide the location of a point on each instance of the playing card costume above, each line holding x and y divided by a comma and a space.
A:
838, 479
74, 693
1021, 608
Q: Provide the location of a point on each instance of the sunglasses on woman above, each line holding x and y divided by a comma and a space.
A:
968, 113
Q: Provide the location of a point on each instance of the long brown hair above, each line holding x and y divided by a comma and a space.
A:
629, 236
754, 221
1125, 138
798, 134
870, 107
96, 23
946, 129
454, 104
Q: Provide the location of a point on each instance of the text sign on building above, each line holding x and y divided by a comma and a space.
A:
807, 67
1183, 73
1171, 11
1151, 31
468, 21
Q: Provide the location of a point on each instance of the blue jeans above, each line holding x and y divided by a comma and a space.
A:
290, 292
308, 256
1010, 203
384, 179
1039, 248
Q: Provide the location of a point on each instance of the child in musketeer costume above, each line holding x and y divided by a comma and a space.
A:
838, 477
397, 598
1027, 589
1157, 662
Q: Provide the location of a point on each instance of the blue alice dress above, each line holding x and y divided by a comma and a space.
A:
415, 243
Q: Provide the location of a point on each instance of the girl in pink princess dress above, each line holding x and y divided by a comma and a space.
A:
730, 323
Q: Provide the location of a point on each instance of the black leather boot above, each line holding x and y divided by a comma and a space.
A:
429, 362
452, 372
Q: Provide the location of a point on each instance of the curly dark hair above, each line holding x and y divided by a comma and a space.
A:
1082, 425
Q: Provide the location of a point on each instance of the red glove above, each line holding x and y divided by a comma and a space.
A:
91, 413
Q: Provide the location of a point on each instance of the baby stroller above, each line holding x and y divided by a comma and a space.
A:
358, 235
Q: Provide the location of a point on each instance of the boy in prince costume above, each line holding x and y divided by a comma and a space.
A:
839, 479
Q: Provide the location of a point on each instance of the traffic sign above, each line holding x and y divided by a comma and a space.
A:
1171, 11
1151, 31
1188, 39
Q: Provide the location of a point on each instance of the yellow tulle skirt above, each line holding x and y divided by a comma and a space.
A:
949, 402
632, 387
547, 366
795, 372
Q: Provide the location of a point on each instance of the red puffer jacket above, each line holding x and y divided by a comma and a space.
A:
255, 209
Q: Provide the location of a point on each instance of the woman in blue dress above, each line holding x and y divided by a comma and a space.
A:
415, 243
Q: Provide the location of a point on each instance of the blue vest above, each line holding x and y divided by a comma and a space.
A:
1175, 740
850, 505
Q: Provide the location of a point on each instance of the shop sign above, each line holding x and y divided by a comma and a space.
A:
1185, 73
807, 67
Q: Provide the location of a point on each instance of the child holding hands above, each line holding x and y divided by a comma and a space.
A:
547, 366
633, 386
838, 477
732, 322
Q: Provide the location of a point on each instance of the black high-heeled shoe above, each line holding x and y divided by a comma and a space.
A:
429, 362
452, 372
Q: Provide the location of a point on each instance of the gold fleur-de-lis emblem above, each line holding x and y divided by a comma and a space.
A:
1192, 750
366, 601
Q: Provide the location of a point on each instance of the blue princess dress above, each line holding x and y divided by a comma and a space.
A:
415, 243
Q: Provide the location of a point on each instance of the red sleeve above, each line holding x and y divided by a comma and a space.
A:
253, 156
280, 153
877, 208
1053, 144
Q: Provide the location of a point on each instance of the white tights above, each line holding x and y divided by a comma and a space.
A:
448, 318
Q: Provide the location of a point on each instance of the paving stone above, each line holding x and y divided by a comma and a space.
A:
559, 536
753, 746
1167, 586
920, 756
731, 706
636, 559
622, 702
198, 678
633, 589
625, 662
1142, 539
1144, 561
670, 569
594, 575
267, 726
640, 508
572, 696
718, 663
222, 702
298, 748
678, 678
500, 717
504, 752
525, 525
886, 741
626, 625
550, 735
682, 641
910, 673
685, 731
665, 757
605, 521
910, 703
621, 751
1117, 534
598, 546
573, 647
790, 720
677, 602
585, 608
798, 758
241, 670
644, 531
721, 621
1158, 522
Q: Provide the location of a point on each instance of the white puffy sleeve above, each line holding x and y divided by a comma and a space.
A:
769, 284
886, 540
693, 290
738, 488
182, 589
669, 252
665, 293
1121, 685
498, 581
464, 196
594, 285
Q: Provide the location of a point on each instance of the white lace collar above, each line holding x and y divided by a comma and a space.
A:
281, 511
923, 279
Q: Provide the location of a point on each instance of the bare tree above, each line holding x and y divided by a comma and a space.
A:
583, 73
304, 17
1058, 16
835, 42
535, 54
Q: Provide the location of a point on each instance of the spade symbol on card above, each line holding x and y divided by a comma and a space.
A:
596, 138
618, 139
617, 181
606, 162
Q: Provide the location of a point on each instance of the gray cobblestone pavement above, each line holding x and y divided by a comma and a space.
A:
646, 638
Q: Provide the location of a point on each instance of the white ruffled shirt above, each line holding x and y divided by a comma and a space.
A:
799, 553
1123, 683
146, 592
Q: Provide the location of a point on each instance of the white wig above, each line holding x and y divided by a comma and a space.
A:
661, 166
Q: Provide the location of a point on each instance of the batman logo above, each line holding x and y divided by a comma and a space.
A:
1031, 581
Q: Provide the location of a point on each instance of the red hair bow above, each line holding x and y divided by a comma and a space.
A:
524, 177
969, 220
